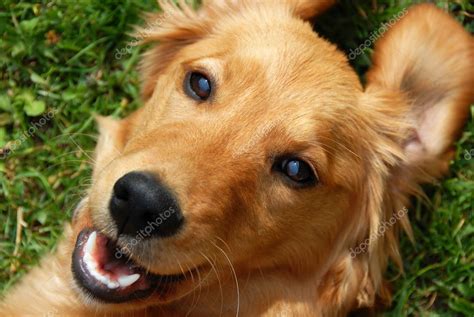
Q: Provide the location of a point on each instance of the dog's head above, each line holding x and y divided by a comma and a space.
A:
258, 147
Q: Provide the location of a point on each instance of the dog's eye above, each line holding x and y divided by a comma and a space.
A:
296, 170
197, 86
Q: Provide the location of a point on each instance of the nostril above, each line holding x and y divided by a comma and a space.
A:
121, 191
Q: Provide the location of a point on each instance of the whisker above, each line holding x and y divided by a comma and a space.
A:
195, 299
233, 271
338, 143
70, 134
218, 281
72, 152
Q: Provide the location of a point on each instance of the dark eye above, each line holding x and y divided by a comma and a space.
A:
296, 170
197, 86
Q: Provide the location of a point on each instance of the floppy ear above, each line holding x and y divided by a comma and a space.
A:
174, 27
428, 59
417, 99
304, 9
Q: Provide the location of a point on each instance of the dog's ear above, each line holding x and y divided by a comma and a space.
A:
416, 102
110, 143
304, 9
179, 25
307, 9
173, 28
428, 59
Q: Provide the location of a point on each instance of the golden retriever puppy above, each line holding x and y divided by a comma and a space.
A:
260, 178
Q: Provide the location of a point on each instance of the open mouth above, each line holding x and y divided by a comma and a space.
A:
111, 278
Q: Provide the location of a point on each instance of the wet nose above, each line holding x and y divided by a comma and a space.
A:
141, 204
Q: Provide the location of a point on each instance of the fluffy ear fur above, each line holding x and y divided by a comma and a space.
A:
179, 25
174, 28
307, 9
429, 59
304, 9
418, 95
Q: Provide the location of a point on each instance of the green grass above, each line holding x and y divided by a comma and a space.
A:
60, 55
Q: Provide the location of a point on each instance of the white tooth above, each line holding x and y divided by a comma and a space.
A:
88, 249
128, 280
90, 244
112, 284
91, 264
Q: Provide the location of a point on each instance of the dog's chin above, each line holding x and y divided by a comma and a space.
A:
106, 275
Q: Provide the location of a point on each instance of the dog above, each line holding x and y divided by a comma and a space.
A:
259, 174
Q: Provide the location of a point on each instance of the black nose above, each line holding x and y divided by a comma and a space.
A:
142, 205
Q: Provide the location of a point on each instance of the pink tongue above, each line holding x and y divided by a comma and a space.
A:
105, 256
117, 268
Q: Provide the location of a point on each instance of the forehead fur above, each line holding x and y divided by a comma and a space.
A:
267, 32
269, 64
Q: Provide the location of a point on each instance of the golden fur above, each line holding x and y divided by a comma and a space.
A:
256, 246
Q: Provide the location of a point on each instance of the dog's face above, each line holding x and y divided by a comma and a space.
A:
254, 147
239, 142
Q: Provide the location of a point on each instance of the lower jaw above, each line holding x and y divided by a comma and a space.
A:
161, 288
